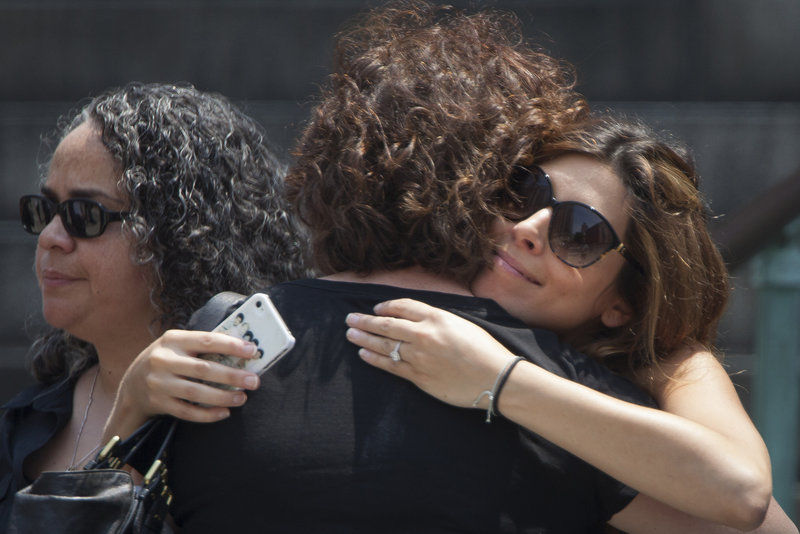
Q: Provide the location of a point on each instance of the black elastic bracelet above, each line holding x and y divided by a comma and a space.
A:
499, 382
502, 383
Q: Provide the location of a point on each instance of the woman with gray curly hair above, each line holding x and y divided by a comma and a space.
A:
156, 198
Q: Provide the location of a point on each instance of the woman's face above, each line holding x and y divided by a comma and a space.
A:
90, 287
527, 278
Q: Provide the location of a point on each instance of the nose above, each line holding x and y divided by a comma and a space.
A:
54, 235
531, 234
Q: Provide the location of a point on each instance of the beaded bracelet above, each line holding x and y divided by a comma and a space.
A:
499, 382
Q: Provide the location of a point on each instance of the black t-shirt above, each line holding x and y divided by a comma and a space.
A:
331, 444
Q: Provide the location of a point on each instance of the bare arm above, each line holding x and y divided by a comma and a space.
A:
164, 379
674, 459
695, 386
645, 515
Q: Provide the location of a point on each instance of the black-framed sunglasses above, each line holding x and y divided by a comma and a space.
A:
81, 217
579, 235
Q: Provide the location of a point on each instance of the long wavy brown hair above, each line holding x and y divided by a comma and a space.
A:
427, 110
682, 294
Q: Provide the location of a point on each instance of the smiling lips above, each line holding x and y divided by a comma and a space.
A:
507, 263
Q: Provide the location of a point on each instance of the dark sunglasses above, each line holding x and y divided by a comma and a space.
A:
81, 217
578, 234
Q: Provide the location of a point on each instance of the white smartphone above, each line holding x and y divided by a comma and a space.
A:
258, 321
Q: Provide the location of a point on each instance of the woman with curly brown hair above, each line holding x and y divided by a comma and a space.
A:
156, 198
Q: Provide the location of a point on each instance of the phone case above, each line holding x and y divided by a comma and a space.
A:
258, 321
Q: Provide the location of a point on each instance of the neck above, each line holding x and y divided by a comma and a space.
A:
115, 357
409, 278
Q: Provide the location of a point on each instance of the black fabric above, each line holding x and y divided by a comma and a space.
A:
331, 444
30, 420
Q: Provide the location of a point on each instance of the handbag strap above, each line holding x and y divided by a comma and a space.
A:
138, 449
208, 316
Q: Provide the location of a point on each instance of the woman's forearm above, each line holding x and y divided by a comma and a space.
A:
645, 515
670, 458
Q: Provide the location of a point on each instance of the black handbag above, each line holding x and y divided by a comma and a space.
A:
102, 498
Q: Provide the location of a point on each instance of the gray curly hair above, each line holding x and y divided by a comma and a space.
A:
207, 209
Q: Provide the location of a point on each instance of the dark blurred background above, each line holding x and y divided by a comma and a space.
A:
723, 75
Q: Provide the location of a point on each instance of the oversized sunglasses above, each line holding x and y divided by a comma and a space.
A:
81, 217
578, 234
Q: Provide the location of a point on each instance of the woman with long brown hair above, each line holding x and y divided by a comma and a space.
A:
603, 242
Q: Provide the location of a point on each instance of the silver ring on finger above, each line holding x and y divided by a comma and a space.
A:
395, 354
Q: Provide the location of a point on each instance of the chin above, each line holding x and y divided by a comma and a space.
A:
60, 316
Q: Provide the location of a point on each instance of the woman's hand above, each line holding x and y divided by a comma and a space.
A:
444, 355
165, 378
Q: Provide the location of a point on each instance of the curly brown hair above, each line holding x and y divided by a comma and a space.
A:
682, 294
425, 113
207, 210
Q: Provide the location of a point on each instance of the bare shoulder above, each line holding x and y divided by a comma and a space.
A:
693, 366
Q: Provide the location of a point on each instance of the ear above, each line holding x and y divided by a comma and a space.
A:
617, 313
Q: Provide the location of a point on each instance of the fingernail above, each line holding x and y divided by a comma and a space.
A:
251, 382
222, 414
351, 318
352, 334
239, 399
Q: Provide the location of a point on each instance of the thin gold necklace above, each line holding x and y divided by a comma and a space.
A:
72, 465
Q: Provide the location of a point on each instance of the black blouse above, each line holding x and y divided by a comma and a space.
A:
31, 419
